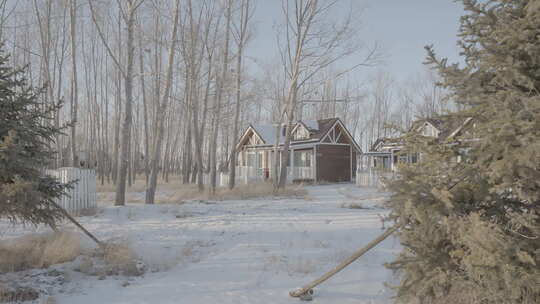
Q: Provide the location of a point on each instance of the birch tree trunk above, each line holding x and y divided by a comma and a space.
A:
145, 113
74, 82
154, 166
241, 41
221, 86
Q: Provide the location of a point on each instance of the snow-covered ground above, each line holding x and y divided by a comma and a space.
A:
251, 251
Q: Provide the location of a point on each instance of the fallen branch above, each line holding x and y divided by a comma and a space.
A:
307, 289
74, 221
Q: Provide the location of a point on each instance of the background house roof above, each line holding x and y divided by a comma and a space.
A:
268, 133
317, 128
324, 125
446, 127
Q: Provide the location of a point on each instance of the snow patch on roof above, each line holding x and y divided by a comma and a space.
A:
268, 133
311, 124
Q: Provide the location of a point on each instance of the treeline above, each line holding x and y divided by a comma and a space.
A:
161, 88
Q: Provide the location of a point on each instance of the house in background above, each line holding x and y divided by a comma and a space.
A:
320, 150
386, 153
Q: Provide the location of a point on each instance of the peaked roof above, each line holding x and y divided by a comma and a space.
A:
317, 129
444, 125
268, 133
448, 128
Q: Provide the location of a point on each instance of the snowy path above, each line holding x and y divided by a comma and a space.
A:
246, 251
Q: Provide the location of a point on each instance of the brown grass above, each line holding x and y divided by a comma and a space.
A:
175, 192
139, 185
120, 258
240, 192
38, 251
18, 294
258, 190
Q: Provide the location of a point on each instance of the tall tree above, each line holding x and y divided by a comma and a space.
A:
472, 205
127, 73
241, 36
219, 96
312, 42
74, 81
27, 133
162, 109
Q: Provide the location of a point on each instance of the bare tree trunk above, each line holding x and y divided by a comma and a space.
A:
145, 114
120, 199
222, 80
74, 83
241, 42
154, 167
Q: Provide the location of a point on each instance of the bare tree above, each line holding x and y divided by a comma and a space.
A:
312, 43
74, 82
219, 95
128, 75
240, 34
162, 109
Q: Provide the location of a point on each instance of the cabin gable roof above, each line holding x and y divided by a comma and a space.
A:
250, 137
337, 133
311, 131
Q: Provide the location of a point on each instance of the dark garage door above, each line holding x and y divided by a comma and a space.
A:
333, 163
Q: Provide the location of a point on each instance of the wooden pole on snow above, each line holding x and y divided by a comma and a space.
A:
74, 221
307, 289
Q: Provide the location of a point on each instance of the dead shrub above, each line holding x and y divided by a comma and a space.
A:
39, 250
17, 295
353, 206
120, 259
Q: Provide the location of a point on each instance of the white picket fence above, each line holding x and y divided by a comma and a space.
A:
83, 194
373, 178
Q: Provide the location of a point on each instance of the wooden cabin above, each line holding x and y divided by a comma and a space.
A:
385, 154
320, 150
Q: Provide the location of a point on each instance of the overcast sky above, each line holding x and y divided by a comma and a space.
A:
401, 27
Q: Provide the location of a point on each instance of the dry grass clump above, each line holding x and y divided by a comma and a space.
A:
139, 185
353, 206
17, 295
258, 190
181, 194
39, 251
120, 259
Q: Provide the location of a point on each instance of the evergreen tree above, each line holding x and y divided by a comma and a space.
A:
26, 134
471, 206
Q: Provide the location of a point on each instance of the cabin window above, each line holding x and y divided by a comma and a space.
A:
302, 158
254, 159
384, 163
414, 158
243, 158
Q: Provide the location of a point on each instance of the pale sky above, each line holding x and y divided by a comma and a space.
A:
401, 27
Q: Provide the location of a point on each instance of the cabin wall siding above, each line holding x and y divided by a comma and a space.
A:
333, 163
